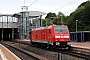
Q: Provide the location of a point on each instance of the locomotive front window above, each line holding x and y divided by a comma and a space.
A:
60, 29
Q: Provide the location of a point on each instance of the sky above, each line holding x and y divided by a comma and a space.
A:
55, 6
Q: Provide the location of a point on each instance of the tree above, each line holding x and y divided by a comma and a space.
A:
82, 14
46, 22
60, 14
61, 17
51, 15
52, 18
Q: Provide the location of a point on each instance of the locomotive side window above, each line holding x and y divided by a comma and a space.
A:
60, 29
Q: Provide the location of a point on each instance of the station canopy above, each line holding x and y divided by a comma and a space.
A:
32, 14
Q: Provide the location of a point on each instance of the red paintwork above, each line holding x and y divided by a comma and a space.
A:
47, 34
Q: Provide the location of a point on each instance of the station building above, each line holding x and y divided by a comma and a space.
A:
8, 27
18, 26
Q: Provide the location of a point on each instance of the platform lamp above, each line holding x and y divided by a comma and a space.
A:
76, 25
76, 30
61, 19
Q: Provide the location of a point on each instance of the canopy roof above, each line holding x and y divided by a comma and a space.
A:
6, 14
31, 13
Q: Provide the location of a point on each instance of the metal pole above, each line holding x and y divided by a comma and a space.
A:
59, 56
76, 25
2, 28
46, 22
36, 25
12, 30
40, 20
76, 29
61, 20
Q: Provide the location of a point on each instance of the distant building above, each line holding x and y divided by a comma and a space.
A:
28, 20
18, 26
8, 27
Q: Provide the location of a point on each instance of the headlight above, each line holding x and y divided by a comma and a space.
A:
68, 43
57, 43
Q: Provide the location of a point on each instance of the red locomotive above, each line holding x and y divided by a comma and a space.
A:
51, 36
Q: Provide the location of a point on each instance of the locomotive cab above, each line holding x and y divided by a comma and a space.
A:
62, 36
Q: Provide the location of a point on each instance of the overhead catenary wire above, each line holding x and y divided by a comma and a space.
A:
71, 2
24, 4
71, 10
32, 3
66, 12
20, 5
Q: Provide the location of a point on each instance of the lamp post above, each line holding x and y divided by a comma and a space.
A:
12, 29
76, 25
76, 30
61, 19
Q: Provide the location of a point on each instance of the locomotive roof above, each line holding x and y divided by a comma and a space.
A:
48, 27
40, 28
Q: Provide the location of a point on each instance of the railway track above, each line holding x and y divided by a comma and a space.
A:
77, 53
82, 53
73, 51
22, 53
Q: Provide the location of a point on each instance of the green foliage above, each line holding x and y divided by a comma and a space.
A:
50, 15
60, 14
52, 18
56, 21
46, 22
82, 14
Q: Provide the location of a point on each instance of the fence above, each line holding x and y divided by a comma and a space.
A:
80, 36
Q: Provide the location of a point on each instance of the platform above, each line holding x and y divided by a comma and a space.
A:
85, 45
6, 54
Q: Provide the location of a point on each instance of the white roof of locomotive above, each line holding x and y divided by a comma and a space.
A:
39, 28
